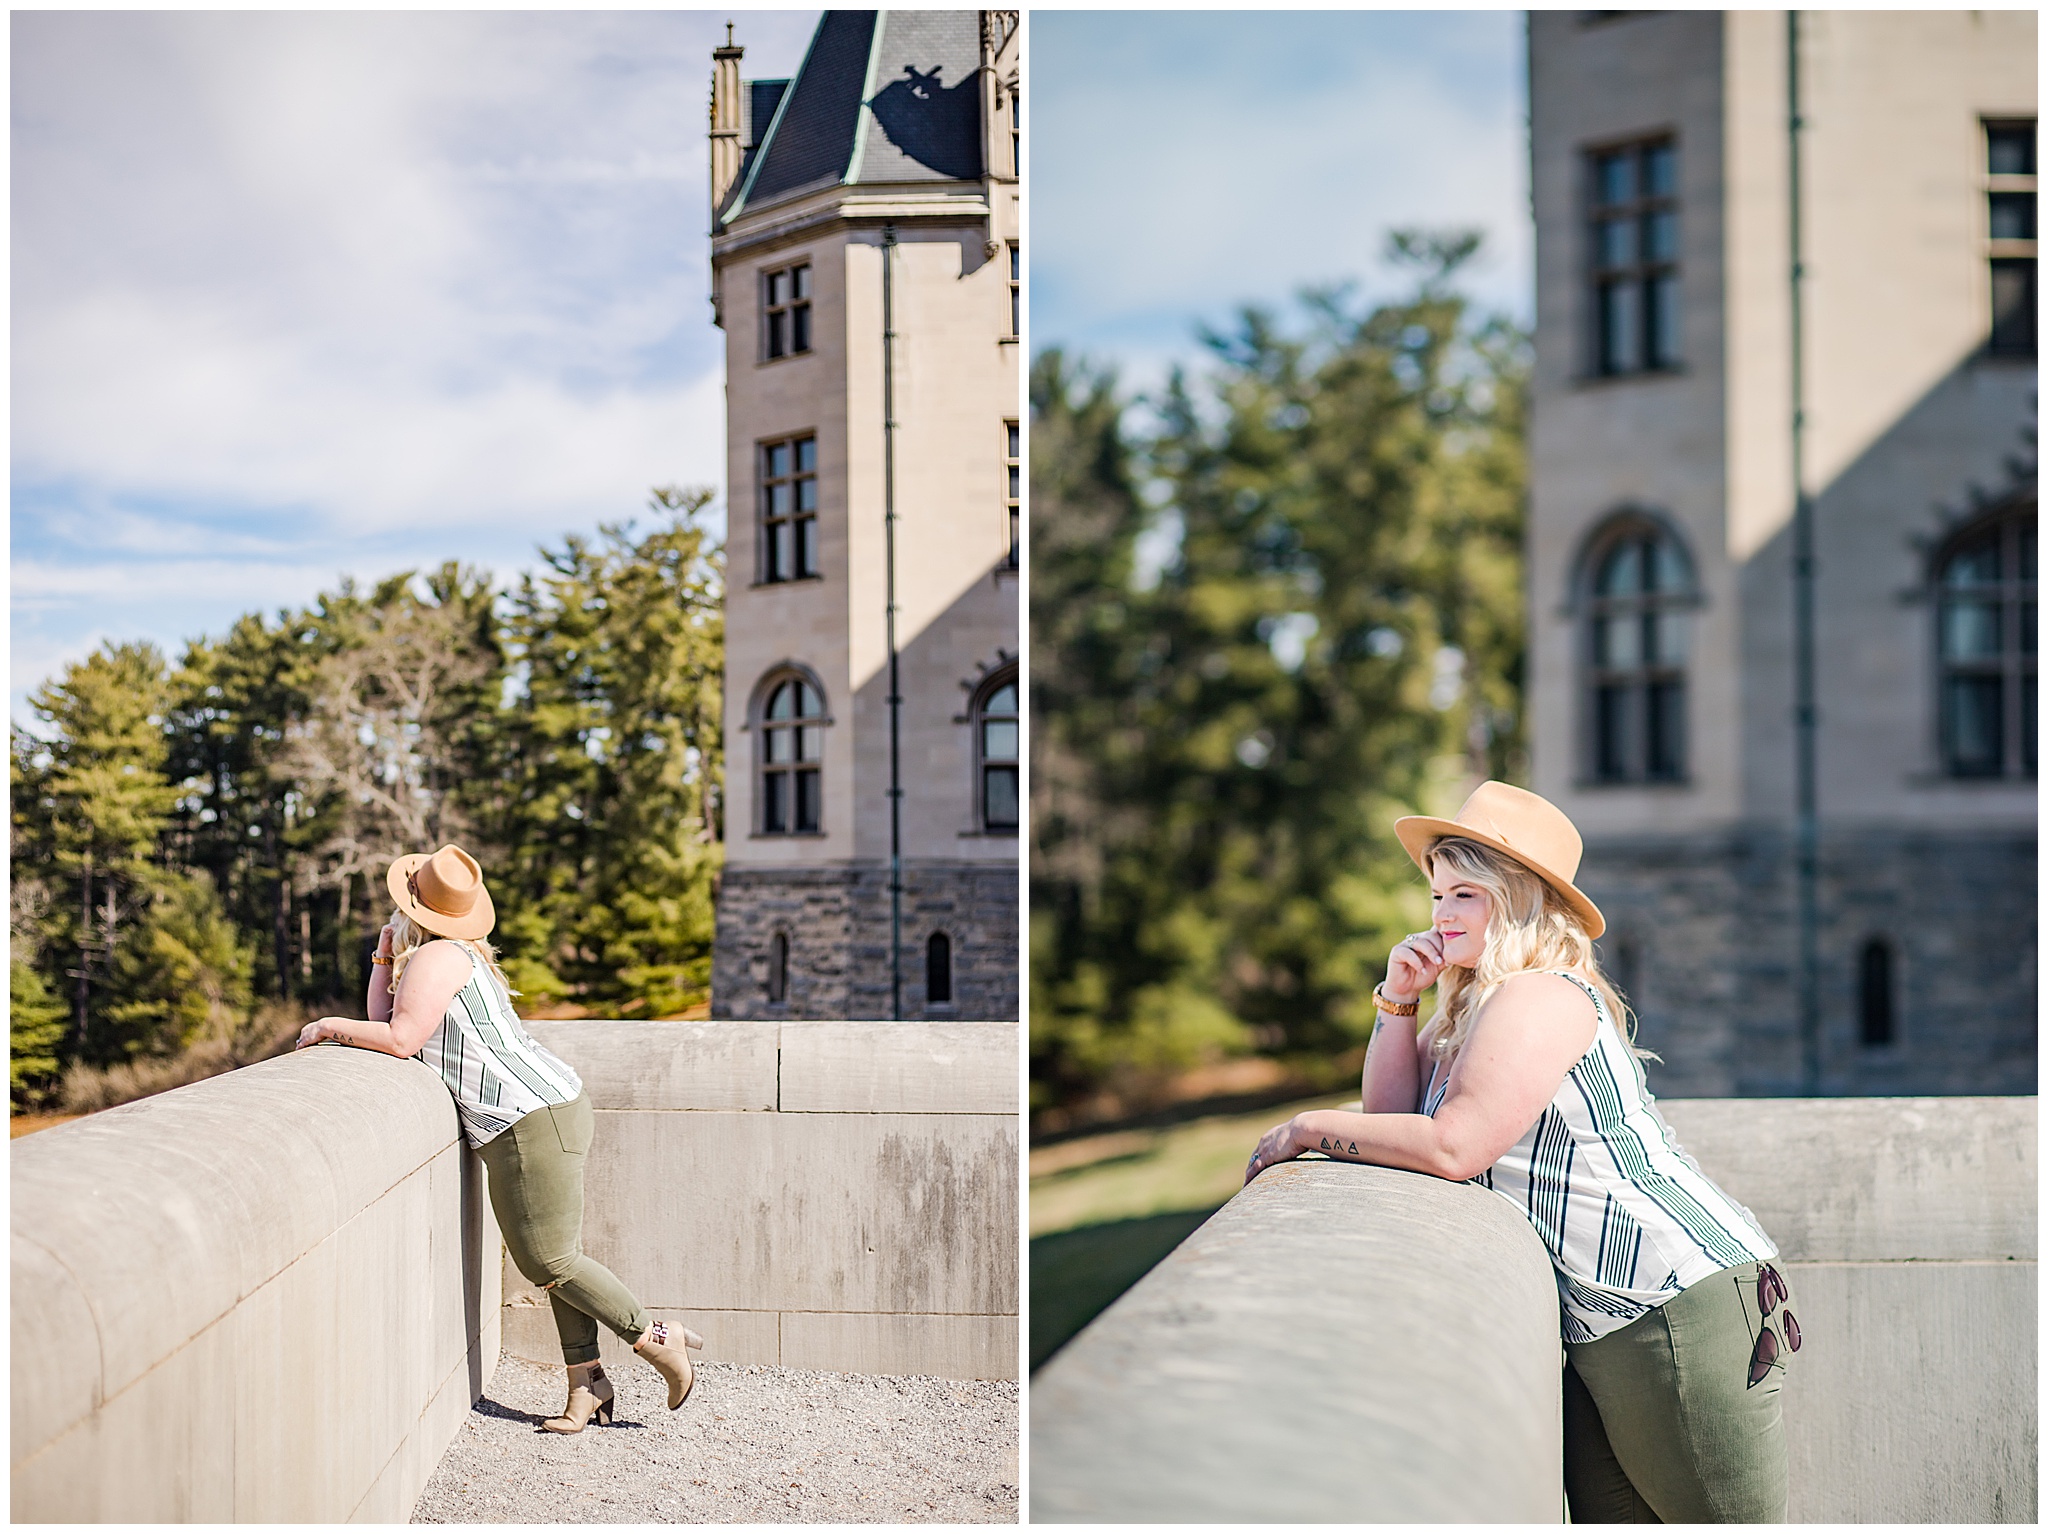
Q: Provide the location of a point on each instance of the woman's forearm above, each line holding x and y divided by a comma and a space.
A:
370, 1033
1391, 1080
377, 999
1410, 1141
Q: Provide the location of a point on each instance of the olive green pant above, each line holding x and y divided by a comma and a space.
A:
1661, 1424
536, 1178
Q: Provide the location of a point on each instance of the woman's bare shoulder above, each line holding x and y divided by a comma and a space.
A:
441, 956
1549, 999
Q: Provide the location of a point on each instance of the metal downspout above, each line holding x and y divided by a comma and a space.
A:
895, 690
1804, 707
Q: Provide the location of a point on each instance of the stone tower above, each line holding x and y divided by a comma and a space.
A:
865, 269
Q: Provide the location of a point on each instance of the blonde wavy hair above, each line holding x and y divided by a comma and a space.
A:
1528, 928
408, 937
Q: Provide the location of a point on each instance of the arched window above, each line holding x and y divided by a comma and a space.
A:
792, 747
995, 753
1874, 993
1985, 590
938, 971
778, 968
1639, 595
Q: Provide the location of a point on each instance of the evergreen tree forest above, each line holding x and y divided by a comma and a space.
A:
199, 844
1271, 608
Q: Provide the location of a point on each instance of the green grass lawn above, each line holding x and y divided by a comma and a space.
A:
1106, 1209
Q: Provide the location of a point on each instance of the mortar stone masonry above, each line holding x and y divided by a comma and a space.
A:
837, 923
1702, 937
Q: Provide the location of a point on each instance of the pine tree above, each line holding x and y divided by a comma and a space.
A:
90, 804
1334, 640
36, 1016
615, 765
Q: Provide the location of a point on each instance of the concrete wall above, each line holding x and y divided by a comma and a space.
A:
1909, 1230
1338, 1344
818, 1195
268, 1297
1340, 1338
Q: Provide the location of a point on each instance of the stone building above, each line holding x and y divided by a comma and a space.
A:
1661, 530
865, 269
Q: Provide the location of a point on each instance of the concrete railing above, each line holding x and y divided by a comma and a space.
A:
819, 1195
1342, 1342
274, 1295
271, 1296
1339, 1344
1909, 1230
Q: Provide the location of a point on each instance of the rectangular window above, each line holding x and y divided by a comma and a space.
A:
1633, 243
808, 795
1016, 289
1000, 737
1665, 746
1612, 755
1001, 791
789, 509
786, 311
1013, 468
1985, 633
2009, 186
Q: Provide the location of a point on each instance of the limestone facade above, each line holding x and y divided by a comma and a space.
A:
1920, 437
895, 144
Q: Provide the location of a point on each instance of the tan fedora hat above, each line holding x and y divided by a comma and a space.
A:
443, 891
1525, 826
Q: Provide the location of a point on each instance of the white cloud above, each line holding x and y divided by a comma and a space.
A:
302, 293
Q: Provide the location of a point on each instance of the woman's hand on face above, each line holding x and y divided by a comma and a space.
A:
1413, 966
1275, 1145
384, 941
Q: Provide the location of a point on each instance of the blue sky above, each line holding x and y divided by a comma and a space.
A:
300, 294
1185, 162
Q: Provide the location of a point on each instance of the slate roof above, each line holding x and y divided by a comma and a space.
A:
882, 96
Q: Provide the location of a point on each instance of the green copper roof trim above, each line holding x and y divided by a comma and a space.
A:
867, 94
739, 203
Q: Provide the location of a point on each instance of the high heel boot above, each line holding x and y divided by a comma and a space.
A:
590, 1396
673, 1362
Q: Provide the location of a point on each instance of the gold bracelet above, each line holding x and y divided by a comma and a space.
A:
1394, 1008
374, 959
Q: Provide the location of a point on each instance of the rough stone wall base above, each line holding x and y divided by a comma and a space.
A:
1703, 939
837, 922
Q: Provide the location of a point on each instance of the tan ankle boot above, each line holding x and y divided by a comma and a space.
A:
590, 1396
673, 1362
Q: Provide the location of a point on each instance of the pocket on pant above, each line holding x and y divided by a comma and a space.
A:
574, 1124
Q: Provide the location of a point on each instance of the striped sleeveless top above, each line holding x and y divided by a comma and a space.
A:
495, 1070
1628, 1218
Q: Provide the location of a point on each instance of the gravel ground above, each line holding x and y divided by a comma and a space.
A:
753, 1444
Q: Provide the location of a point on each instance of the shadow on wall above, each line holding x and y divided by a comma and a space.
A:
937, 125
836, 919
1963, 981
1705, 931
